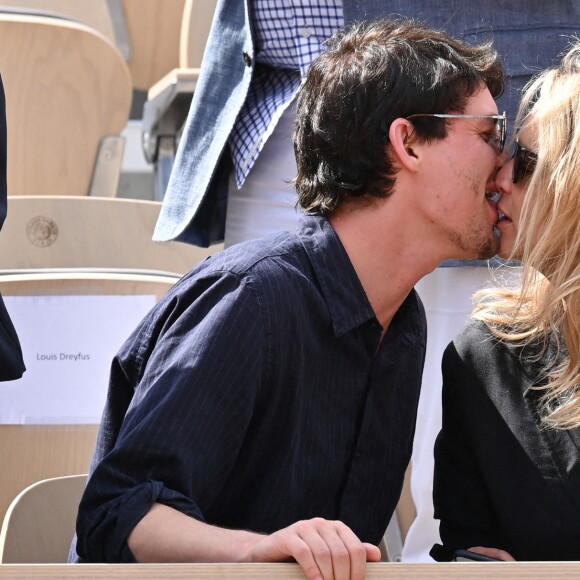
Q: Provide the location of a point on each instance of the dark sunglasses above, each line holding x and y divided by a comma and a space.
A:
524, 162
500, 123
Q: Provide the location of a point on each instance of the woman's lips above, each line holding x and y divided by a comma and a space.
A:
492, 201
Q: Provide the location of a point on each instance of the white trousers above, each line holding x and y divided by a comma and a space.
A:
266, 203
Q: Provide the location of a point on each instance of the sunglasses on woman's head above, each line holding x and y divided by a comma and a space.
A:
524, 162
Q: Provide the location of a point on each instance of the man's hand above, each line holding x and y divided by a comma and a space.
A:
493, 553
324, 549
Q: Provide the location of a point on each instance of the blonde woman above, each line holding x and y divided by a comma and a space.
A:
507, 474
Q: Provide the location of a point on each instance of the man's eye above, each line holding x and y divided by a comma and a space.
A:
492, 139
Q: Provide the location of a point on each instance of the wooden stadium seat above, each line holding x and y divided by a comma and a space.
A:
68, 96
93, 13
40, 523
74, 247
153, 27
33, 451
195, 27
89, 232
392, 543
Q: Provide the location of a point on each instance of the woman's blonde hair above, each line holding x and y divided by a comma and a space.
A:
544, 307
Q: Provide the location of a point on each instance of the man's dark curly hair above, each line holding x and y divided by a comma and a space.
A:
371, 74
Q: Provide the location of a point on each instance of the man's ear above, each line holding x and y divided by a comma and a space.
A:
402, 141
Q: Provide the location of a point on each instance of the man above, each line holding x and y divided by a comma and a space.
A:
265, 408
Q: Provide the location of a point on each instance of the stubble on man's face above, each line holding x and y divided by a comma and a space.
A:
478, 240
476, 246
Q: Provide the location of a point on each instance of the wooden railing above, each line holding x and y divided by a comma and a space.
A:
375, 571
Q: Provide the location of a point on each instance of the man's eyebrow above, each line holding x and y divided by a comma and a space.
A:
487, 117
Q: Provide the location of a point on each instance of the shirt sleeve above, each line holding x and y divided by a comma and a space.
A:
188, 416
459, 494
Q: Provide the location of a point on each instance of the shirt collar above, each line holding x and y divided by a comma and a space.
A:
341, 288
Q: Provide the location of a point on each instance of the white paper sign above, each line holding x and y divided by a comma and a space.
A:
68, 344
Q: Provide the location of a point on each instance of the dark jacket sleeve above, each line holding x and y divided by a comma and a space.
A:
11, 362
459, 495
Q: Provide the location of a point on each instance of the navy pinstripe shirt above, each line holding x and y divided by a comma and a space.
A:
258, 393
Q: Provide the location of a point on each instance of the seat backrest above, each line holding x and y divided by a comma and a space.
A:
93, 13
89, 232
391, 545
56, 252
153, 27
406, 510
50, 416
40, 523
195, 27
67, 88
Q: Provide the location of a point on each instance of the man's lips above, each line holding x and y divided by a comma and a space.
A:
492, 199
493, 196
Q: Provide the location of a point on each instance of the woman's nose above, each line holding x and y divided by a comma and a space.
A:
503, 179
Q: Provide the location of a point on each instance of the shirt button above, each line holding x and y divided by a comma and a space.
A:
247, 59
305, 32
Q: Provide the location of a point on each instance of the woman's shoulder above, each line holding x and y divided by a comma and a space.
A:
476, 335
478, 348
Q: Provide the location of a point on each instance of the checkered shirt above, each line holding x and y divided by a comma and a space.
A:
288, 35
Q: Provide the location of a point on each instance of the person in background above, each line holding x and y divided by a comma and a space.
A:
507, 459
265, 409
11, 361
232, 175
240, 122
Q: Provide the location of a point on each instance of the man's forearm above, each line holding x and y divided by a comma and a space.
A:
167, 535
323, 548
